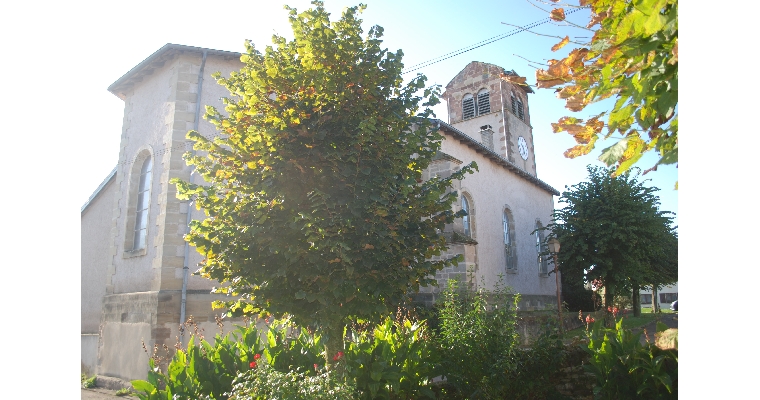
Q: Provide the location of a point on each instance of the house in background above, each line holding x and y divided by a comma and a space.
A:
665, 296
137, 282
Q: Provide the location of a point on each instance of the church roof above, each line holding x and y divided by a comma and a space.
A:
157, 60
493, 156
100, 188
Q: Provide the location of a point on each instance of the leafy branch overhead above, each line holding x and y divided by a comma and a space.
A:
633, 58
315, 200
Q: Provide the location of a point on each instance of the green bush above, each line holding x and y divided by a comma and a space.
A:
478, 339
533, 371
393, 361
626, 369
266, 383
88, 383
203, 370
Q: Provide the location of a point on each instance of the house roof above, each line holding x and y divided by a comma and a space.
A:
493, 156
501, 70
100, 188
157, 60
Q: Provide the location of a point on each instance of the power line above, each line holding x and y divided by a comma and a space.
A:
482, 43
188, 145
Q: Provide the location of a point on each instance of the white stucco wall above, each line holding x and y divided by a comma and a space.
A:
147, 120
95, 258
491, 188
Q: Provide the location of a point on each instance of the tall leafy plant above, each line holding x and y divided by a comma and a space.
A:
314, 194
478, 337
626, 369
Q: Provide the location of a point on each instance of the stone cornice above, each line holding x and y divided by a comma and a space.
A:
157, 60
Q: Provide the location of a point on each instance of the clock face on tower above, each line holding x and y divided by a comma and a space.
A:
522, 145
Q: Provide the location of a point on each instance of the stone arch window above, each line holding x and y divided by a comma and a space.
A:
138, 204
468, 106
467, 219
543, 265
484, 102
510, 249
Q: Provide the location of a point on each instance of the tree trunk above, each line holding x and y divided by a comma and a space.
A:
334, 343
609, 296
655, 300
636, 302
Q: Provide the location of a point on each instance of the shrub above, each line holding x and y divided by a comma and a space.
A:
88, 382
394, 360
477, 339
203, 370
267, 383
533, 371
626, 369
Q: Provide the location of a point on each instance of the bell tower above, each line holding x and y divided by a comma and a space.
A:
493, 112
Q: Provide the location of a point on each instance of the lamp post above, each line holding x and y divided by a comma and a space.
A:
554, 249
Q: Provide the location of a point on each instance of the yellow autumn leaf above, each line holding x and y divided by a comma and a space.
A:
517, 80
561, 44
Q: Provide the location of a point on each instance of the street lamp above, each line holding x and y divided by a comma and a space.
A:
554, 249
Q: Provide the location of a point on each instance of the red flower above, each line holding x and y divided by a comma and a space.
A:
589, 319
338, 356
252, 364
315, 367
257, 356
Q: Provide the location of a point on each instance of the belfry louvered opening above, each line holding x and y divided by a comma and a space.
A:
484, 102
473, 106
468, 106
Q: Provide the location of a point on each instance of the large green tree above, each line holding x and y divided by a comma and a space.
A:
611, 231
632, 58
314, 193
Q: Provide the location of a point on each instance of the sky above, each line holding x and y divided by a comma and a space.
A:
422, 29
61, 130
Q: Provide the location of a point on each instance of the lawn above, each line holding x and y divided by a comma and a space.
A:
629, 321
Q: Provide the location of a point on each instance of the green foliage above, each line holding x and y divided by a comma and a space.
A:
576, 295
123, 392
315, 201
533, 370
88, 383
393, 361
267, 383
611, 232
633, 58
202, 370
478, 338
626, 369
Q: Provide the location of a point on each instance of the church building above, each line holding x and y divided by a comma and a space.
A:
137, 281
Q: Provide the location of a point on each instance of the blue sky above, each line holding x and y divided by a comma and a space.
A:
424, 30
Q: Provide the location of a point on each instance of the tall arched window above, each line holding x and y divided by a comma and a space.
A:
540, 248
143, 204
509, 242
484, 102
466, 218
468, 106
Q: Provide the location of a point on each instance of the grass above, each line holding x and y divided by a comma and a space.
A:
629, 321
88, 382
